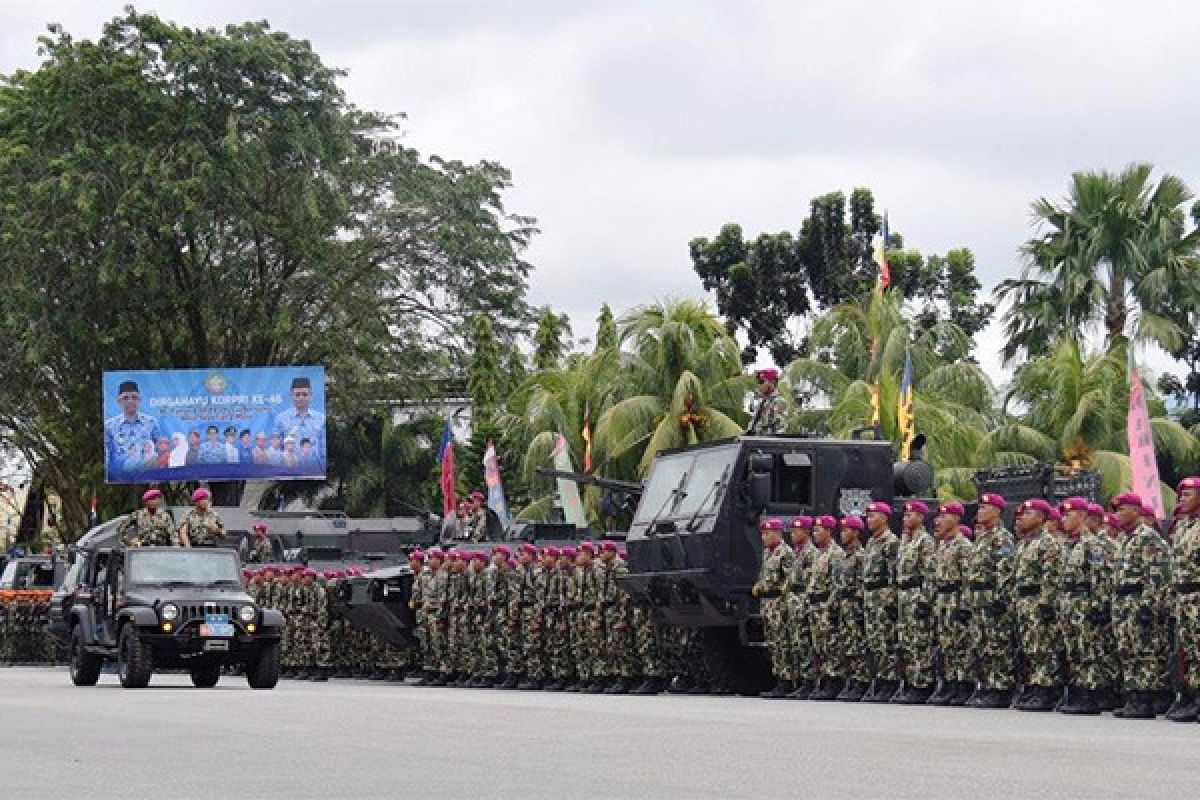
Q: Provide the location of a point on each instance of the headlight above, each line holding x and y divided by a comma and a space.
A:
169, 612
247, 613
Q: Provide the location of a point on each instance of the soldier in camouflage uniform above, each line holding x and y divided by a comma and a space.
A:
493, 647
881, 613
1186, 577
288, 593
770, 416
1085, 605
799, 627
989, 593
648, 648
202, 527
321, 605
1142, 592
617, 652
1036, 578
825, 609
589, 630
151, 526
477, 611
458, 632
851, 635
772, 589
525, 621
557, 631
951, 607
915, 595
261, 552
416, 562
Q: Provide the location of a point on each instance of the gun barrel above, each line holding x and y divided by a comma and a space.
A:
592, 480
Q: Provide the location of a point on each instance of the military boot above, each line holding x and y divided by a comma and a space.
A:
945, 691
827, 688
679, 684
882, 691
962, 691
913, 696
593, 687
1183, 709
1162, 700
779, 690
698, 687
511, 681
990, 698
1140, 705
619, 686
572, 686
852, 692
652, 685
320, 674
343, 673
1109, 699
398, 676
1080, 701
1038, 698
803, 690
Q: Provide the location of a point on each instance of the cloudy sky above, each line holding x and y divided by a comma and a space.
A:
632, 127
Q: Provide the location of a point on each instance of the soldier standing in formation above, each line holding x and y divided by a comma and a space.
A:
916, 593
880, 602
772, 589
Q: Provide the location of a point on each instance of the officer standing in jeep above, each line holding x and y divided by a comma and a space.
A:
202, 527
151, 526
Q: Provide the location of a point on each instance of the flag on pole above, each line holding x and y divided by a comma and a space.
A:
587, 446
1141, 446
491, 476
885, 272
93, 516
446, 459
876, 403
568, 490
905, 420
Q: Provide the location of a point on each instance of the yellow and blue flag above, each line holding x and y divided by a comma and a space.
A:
905, 420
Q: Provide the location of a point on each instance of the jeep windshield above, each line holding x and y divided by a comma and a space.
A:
183, 566
686, 484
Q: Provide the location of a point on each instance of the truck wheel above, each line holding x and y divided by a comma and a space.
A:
263, 671
85, 667
206, 676
135, 660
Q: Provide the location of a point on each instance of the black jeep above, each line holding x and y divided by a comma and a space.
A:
164, 607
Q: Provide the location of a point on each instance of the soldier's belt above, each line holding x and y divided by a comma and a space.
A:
949, 588
871, 586
819, 597
1128, 590
911, 583
1030, 590
983, 586
1191, 587
770, 593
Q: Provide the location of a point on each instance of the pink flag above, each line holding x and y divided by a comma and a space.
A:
1141, 447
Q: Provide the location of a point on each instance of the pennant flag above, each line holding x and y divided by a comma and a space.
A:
491, 476
587, 446
446, 459
93, 516
905, 420
885, 272
1141, 447
876, 403
568, 490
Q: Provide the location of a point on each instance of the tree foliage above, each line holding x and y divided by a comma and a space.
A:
550, 339
173, 197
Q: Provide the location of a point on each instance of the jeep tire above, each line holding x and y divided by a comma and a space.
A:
135, 659
206, 675
262, 671
85, 667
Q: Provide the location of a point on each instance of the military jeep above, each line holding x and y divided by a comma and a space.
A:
165, 608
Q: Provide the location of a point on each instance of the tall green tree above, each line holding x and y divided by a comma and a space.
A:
1115, 256
484, 380
175, 197
606, 330
682, 383
550, 339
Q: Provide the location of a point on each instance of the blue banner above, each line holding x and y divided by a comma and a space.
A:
214, 424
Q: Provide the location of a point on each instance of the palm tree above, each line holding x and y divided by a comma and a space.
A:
680, 382
1070, 407
1115, 255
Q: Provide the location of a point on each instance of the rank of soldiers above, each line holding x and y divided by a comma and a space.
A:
1079, 610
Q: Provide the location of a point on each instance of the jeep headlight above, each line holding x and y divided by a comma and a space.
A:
247, 613
169, 612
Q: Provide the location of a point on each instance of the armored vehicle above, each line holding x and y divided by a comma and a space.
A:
694, 547
27, 573
163, 607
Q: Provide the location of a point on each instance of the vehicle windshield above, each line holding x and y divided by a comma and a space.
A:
183, 566
9, 574
27, 575
697, 474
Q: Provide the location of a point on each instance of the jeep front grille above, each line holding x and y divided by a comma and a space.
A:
197, 612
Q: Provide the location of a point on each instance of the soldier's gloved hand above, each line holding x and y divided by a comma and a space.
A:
1144, 616
1046, 613
962, 614
922, 611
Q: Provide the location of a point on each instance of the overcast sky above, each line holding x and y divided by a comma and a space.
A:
631, 127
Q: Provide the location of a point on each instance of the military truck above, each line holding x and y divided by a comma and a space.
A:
694, 547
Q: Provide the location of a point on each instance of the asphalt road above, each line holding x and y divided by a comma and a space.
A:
364, 740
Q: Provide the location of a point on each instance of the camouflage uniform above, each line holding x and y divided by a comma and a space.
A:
557, 631
646, 643
1086, 609
770, 416
989, 589
916, 596
799, 628
1142, 594
879, 558
1037, 576
851, 635
617, 652
952, 608
589, 624
262, 552
458, 633
433, 604
476, 529
1186, 574
204, 528
772, 588
824, 603
492, 635
146, 529
528, 615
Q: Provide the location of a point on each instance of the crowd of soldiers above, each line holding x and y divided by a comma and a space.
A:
153, 526
23, 617
1081, 611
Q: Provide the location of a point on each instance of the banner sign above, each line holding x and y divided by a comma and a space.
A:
214, 424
